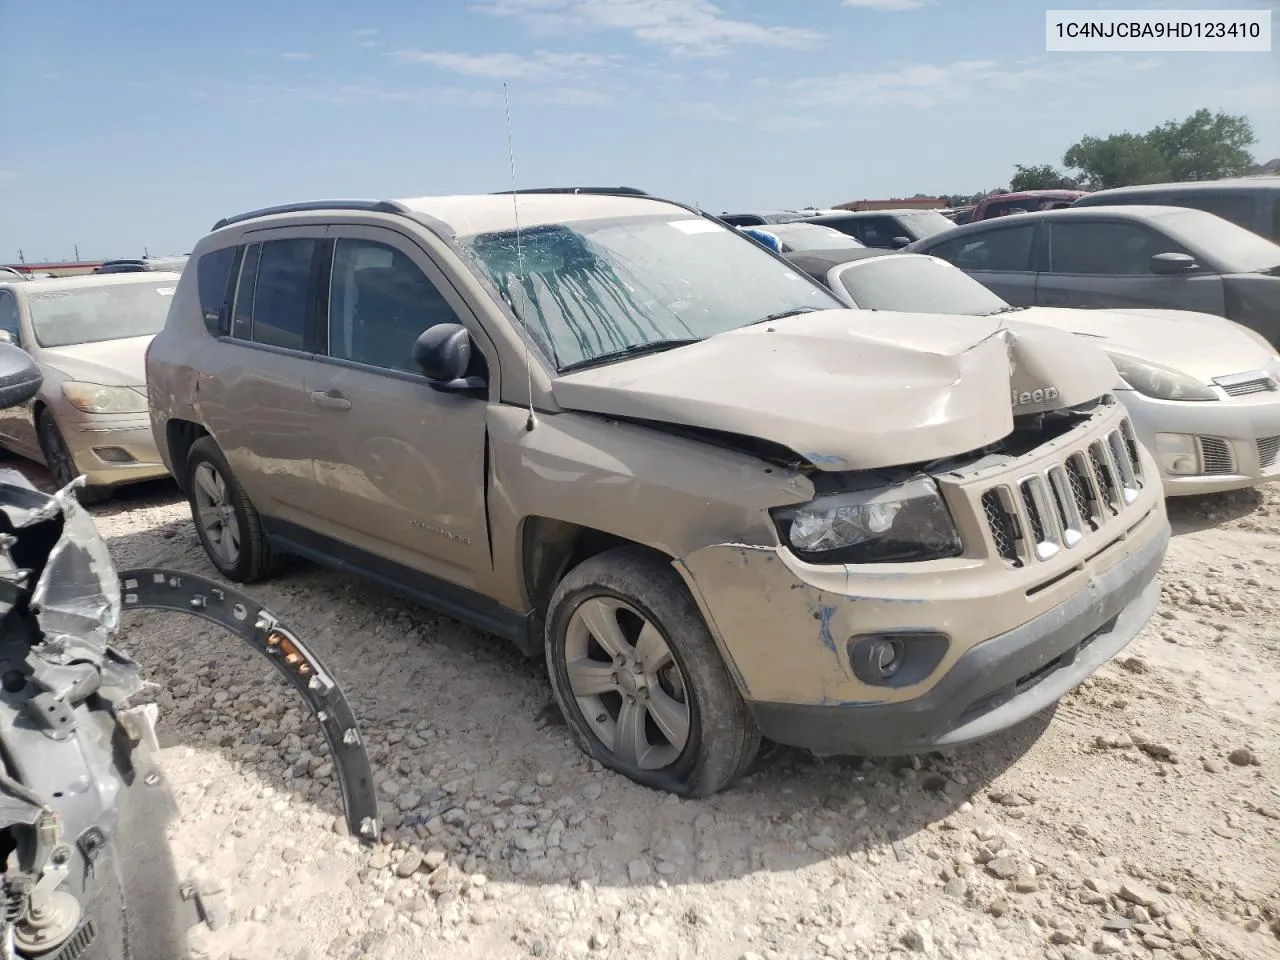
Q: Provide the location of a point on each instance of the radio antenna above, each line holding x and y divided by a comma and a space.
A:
515, 207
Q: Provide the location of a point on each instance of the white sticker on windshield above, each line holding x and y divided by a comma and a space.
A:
165, 291
51, 295
695, 226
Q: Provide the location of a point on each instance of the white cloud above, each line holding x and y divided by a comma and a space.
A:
685, 27
367, 32
927, 85
542, 64
889, 5
298, 55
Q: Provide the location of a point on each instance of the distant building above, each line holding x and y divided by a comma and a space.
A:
911, 203
64, 268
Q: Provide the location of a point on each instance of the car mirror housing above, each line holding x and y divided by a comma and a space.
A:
20, 378
443, 352
1169, 263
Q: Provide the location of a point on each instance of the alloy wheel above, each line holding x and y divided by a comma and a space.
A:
627, 683
215, 514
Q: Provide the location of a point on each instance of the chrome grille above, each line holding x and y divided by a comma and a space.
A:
1268, 452
1003, 524
1215, 456
1054, 505
1242, 388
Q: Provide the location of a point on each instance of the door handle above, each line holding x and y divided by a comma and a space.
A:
330, 400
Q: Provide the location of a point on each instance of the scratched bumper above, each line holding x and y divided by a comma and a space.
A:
1013, 646
995, 685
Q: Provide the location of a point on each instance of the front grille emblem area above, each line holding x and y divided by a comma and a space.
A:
1053, 508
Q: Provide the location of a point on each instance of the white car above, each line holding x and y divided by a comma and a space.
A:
1203, 392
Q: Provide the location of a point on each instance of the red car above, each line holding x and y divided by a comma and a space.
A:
1027, 201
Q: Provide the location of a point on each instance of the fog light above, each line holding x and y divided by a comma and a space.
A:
1179, 453
896, 659
113, 455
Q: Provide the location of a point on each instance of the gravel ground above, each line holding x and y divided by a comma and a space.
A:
1139, 820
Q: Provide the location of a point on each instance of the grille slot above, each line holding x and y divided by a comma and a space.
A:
1060, 501
1244, 388
1104, 472
1268, 452
1215, 455
1003, 524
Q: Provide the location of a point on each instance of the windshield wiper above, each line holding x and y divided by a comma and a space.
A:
627, 353
783, 314
1009, 309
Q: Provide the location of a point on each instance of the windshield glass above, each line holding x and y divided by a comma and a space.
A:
596, 288
925, 223
91, 314
812, 236
1233, 248
911, 284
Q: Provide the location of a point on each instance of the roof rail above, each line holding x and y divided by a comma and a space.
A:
607, 191
371, 206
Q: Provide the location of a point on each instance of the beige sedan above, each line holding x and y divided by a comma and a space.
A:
89, 337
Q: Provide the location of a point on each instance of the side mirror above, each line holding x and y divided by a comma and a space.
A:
444, 354
20, 378
1167, 263
900, 242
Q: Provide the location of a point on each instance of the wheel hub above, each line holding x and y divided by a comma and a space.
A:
632, 681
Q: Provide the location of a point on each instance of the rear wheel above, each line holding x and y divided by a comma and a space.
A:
60, 462
639, 679
227, 523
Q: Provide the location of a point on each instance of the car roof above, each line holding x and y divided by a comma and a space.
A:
818, 263
1135, 211
465, 214
87, 280
1195, 186
842, 214
1054, 194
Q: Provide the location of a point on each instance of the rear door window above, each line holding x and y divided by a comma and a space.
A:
1237, 207
273, 297
1105, 248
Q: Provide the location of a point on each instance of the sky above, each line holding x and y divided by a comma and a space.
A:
134, 126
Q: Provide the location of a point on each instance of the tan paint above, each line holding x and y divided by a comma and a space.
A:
844, 389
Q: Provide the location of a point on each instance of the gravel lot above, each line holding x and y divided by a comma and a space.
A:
1140, 820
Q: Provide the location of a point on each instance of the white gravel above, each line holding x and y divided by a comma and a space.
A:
1138, 821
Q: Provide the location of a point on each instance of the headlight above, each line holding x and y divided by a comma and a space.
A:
96, 398
882, 525
1160, 382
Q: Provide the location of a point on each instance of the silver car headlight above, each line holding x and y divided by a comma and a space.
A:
905, 522
1161, 383
98, 398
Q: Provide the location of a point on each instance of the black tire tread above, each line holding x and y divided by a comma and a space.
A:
258, 561
729, 738
87, 495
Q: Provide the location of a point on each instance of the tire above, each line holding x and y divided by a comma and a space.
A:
638, 592
58, 459
209, 478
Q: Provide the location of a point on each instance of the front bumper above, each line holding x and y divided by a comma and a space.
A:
1237, 440
114, 450
996, 684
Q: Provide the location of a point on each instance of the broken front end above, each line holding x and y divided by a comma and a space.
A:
84, 805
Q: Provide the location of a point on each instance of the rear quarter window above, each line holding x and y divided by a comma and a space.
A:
213, 279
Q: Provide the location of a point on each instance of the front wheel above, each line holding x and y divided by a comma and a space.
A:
640, 680
60, 462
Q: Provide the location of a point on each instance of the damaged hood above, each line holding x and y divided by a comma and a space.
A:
113, 363
852, 389
1199, 344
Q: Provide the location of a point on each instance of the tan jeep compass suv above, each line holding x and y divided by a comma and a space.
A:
611, 429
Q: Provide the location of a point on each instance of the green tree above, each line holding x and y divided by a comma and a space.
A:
1042, 177
1204, 146
1117, 161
